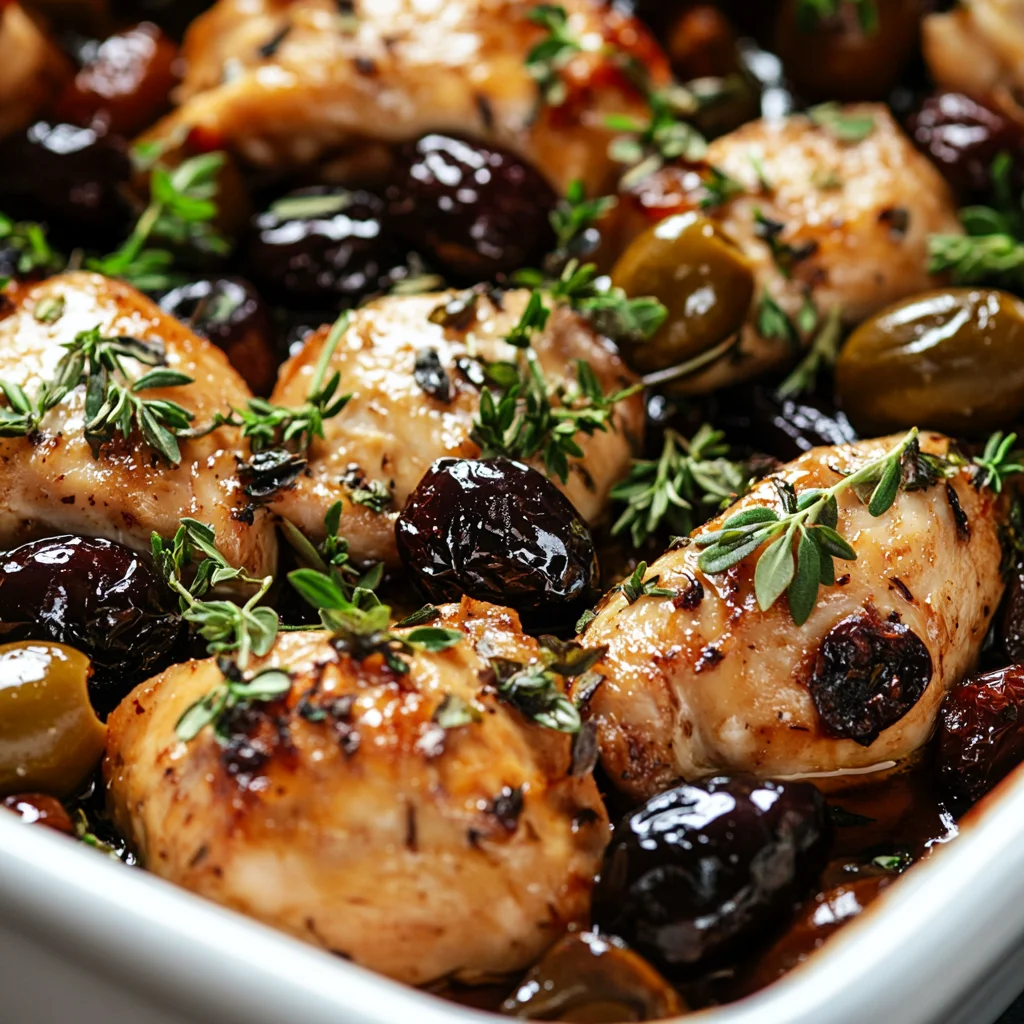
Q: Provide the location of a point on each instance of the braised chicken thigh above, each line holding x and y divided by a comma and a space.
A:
703, 681
52, 482
284, 82
357, 815
398, 423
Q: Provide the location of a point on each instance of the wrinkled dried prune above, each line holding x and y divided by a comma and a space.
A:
868, 674
703, 868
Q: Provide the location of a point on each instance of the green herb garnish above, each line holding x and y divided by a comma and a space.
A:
820, 357
634, 586
688, 483
548, 58
27, 240
843, 126
998, 462
809, 13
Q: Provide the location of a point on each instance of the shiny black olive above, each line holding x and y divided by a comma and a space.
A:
320, 246
964, 137
229, 312
68, 176
476, 211
981, 733
498, 531
96, 596
701, 869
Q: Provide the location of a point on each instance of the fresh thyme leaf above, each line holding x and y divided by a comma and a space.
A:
547, 59
575, 215
785, 254
810, 518
534, 318
453, 713
312, 206
534, 691
372, 494
809, 13
27, 241
843, 126
992, 251
212, 708
689, 482
898, 862
634, 587
998, 462
718, 188
820, 357
428, 613
181, 214
773, 323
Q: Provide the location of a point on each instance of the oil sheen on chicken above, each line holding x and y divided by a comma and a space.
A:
51, 483
706, 682
392, 430
348, 816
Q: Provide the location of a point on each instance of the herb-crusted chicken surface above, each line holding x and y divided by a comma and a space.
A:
703, 681
400, 419
359, 815
52, 482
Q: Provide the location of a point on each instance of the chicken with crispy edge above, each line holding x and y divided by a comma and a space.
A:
347, 815
393, 70
978, 48
852, 219
392, 429
50, 482
706, 682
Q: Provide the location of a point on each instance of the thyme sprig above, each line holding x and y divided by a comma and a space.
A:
998, 462
840, 124
803, 542
113, 396
682, 488
526, 415
548, 58
360, 623
181, 212
26, 241
635, 586
992, 251
810, 13
821, 356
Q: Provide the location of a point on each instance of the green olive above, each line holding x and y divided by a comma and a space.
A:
704, 280
593, 979
949, 360
50, 737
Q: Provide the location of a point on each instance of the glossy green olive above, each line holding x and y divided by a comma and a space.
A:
50, 737
948, 360
704, 280
593, 979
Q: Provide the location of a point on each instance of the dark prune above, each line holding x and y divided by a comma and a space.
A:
701, 869
498, 531
96, 596
981, 733
229, 312
868, 674
69, 176
477, 211
964, 137
318, 246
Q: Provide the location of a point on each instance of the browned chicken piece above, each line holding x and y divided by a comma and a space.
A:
706, 682
392, 429
283, 82
349, 815
32, 69
845, 224
51, 483
978, 48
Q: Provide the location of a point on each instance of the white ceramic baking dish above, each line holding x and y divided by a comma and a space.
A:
85, 940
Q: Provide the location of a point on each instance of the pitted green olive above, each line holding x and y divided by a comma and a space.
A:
948, 360
701, 276
593, 979
50, 737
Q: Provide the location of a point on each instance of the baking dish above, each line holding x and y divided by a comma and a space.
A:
84, 939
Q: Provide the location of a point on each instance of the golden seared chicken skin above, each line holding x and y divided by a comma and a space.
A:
51, 482
978, 48
347, 815
394, 70
397, 424
706, 682
843, 224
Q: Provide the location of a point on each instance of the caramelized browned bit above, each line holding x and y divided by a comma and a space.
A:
593, 978
981, 733
701, 44
127, 85
868, 674
40, 809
